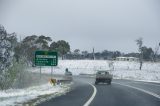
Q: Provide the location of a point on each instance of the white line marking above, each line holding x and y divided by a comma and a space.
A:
143, 82
149, 83
92, 97
142, 90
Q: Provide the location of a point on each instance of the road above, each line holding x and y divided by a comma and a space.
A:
119, 93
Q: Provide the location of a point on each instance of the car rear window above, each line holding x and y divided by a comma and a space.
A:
102, 73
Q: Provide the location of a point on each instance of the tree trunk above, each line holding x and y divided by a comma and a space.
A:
140, 65
141, 60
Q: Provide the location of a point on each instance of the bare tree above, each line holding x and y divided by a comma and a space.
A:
139, 42
156, 52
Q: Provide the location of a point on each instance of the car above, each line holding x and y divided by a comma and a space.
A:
68, 75
103, 77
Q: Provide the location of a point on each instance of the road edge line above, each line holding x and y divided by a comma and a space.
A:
139, 89
146, 83
92, 97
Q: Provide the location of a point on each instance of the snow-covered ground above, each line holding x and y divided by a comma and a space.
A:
19, 96
122, 69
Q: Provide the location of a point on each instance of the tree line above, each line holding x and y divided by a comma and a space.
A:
26, 48
148, 55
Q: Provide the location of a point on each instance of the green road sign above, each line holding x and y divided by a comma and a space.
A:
46, 58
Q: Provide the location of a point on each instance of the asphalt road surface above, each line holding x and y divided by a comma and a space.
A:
119, 93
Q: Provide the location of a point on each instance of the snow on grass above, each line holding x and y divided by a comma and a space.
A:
19, 96
75, 66
130, 70
122, 69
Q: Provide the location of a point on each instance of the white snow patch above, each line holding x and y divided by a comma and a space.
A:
122, 69
18, 96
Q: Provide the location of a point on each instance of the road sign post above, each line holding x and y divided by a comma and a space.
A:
40, 75
51, 71
46, 58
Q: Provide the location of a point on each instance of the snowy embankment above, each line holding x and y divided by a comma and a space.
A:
21, 96
130, 70
38, 89
122, 69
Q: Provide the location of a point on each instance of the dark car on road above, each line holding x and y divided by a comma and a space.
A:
103, 77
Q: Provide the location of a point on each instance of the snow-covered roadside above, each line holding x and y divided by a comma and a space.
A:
122, 69
19, 96
139, 75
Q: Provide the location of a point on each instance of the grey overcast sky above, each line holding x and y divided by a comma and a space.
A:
103, 24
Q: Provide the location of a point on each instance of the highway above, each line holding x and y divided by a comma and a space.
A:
119, 93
